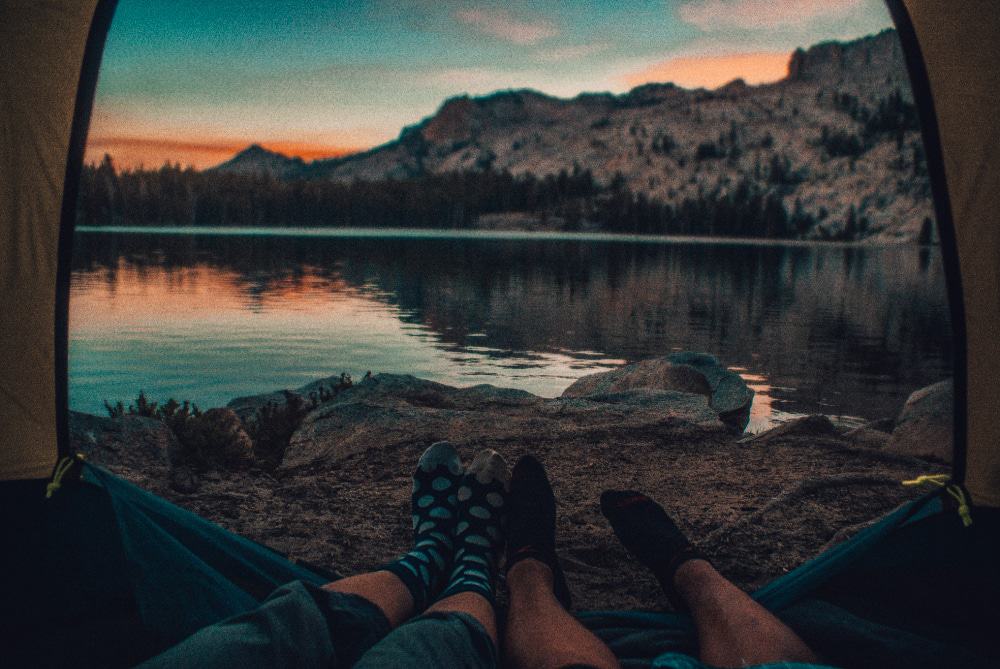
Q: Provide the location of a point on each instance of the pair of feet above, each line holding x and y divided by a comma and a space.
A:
462, 516
459, 516
641, 524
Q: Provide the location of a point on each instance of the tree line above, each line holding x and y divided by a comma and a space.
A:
572, 200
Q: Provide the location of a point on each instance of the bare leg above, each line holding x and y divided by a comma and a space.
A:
733, 629
381, 588
540, 633
471, 604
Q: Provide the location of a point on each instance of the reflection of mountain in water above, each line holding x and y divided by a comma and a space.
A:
858, 328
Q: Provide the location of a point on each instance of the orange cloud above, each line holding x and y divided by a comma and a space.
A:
714, 71
502, 24
132, 151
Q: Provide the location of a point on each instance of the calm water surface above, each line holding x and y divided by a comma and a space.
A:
846, 331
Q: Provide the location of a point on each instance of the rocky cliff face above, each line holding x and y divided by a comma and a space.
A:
837, 135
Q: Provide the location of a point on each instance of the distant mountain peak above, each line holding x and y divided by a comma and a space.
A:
257, 159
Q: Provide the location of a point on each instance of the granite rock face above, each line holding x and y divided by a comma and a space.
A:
925, 427
389, 410
697, 373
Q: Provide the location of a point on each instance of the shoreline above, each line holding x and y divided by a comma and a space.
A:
497, 235
803, 486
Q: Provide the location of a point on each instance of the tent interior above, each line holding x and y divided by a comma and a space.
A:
101, 573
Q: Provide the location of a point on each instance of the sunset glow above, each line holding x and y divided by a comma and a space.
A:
196, 82
714, 71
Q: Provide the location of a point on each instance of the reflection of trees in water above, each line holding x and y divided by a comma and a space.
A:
821, 320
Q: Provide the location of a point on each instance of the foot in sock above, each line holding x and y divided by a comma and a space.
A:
434, 505
531, 531
479, 532
650, 535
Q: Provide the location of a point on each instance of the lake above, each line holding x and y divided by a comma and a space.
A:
847, 331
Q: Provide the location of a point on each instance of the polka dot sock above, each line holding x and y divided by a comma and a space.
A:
434, 507
482, 496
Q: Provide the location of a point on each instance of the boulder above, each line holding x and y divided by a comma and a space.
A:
816, 425
867, 437
925, 427
686, 372
389, 410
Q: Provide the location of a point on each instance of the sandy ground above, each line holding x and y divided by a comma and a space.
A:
758, 509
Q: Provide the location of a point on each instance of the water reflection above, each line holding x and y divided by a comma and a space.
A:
840, 330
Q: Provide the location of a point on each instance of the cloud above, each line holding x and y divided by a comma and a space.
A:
575, 52
711, 71
503, 25
720, 15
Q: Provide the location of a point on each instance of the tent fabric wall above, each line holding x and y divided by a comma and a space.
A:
44, 44
961, 49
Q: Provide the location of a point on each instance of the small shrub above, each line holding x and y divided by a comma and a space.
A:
840, 143
709, 151
781, 173
142, 407
663, 143
214, 439
274, 424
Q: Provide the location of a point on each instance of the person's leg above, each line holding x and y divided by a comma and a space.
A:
383, 589
733, 630
409, 584
459, 629
540, 632
479, 539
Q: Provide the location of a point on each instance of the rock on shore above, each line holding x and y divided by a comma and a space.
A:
925, 428
696, 373
388, 411
340, 498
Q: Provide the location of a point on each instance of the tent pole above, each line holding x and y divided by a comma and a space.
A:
83, 106
921, 86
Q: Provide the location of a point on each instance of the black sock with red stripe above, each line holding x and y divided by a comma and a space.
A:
531, 528
650, 535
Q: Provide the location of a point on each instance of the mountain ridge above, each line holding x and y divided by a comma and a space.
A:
837, 139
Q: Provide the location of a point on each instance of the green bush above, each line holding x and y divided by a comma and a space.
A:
274, 424
218, 439
709, 151
841, 143
214, 439
142, 407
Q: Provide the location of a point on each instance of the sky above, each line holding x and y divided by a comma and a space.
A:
193, 82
